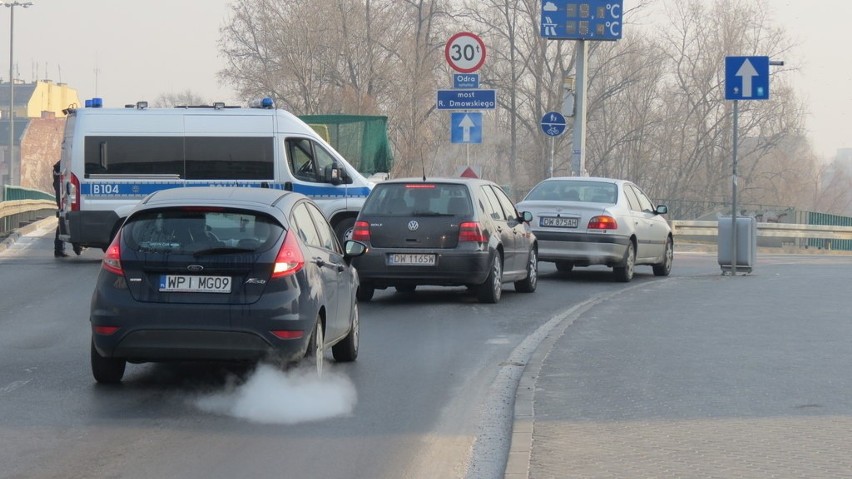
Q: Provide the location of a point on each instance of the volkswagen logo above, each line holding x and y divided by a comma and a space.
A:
413, 225
195, 268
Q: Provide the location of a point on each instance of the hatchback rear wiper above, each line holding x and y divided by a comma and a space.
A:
222, 250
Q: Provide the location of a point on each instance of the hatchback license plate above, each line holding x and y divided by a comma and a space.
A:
172, 283
558, 222
412, 259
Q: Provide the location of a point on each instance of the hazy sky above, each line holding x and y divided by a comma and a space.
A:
125, 51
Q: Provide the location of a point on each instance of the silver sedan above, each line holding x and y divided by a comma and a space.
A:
583, 221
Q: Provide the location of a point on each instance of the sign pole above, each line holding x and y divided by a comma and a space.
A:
734, 194
578, 146
552, 153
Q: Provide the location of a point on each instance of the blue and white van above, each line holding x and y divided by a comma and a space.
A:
114, 157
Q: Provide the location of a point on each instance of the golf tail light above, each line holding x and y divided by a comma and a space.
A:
471, 231
603, 223
112, 256
290, 258
361, 231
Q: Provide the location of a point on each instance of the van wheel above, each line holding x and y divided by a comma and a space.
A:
344, 228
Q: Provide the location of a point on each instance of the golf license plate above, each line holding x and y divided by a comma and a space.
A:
179, 283
411, 259
557, 222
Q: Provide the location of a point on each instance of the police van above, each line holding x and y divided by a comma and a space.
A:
114, 157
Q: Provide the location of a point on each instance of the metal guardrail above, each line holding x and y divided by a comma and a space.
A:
14, 214
771, 230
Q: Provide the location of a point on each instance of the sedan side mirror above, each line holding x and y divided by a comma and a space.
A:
526, 216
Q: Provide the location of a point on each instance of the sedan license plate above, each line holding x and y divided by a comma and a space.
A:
411, 259
172, 283
557, 222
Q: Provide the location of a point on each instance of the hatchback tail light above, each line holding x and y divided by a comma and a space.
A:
361, 231
471, 231
112, 256
603, 223
290, 258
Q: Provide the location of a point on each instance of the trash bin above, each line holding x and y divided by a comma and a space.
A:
746, 243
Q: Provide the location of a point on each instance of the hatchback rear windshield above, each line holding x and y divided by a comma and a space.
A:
418, 199
200, 230
575, 190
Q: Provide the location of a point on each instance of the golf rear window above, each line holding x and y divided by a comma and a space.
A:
191, 230
418, 199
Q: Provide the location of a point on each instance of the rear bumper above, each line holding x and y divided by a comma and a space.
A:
452, 268
169, 331
580, 248
89, 228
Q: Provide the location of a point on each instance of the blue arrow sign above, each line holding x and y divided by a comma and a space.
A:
746, 78
553, 123
467, 100
582, 20
466, 127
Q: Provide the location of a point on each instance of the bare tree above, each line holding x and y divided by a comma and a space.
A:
184, 98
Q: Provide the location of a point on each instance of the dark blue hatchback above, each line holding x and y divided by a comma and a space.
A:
224, 274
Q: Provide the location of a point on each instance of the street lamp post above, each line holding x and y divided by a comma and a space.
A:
11, 6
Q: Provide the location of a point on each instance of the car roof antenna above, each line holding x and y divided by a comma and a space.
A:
423, 165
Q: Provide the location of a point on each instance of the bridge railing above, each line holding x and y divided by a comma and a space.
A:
796, 234
23, 205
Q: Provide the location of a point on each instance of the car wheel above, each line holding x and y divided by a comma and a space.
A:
564, 266
106, 370
315, 347
624, 273
406, 288
665, 268
528, 284
347, 350
365, 292
492, 288
343, 230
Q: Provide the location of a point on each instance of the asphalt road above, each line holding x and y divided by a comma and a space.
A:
427, 397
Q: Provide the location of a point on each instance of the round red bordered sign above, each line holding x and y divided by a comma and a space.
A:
465, 52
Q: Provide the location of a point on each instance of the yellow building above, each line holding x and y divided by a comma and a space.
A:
39, 101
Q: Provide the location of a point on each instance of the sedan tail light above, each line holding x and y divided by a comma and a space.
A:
290, 258
603, 223
361, 231
112, 256
471, 231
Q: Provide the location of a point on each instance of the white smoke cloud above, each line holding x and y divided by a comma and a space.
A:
273, 396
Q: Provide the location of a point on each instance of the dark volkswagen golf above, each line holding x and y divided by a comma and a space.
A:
224, 274
445, 232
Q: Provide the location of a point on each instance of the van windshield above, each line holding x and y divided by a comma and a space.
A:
190, 158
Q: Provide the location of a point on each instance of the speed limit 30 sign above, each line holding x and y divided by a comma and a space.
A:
465, 52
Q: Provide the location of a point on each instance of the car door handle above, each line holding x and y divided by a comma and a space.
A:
322, 263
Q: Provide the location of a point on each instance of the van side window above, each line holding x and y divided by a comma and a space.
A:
309, 161
191, 158
301, 158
